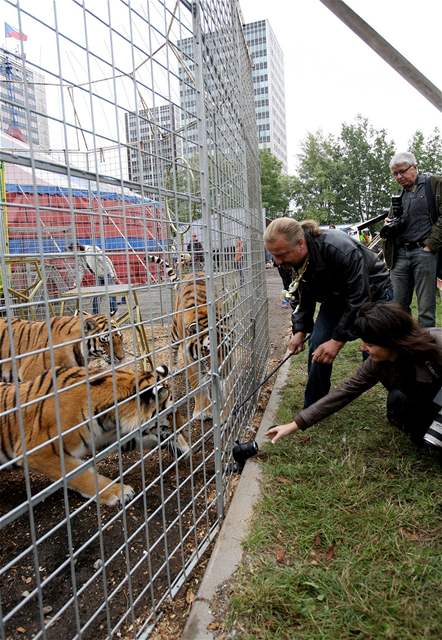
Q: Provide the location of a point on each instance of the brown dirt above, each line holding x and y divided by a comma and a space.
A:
175, 613
94, 535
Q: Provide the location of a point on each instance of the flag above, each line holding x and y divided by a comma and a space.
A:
10, 32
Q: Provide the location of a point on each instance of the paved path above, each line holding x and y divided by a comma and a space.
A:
279, 317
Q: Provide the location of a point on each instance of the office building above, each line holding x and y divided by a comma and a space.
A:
151, 138
268, 85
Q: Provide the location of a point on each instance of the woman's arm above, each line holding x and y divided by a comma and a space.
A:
363, 379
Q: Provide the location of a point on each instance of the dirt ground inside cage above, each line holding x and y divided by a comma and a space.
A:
169, 495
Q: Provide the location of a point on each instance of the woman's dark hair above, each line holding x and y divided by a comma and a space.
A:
388, 325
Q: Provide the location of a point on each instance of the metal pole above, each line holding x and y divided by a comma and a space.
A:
210, 283
386, 51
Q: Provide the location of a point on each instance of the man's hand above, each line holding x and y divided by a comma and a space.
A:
327, 351
296, 343
281, 430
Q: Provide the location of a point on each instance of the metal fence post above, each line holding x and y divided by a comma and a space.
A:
210, 282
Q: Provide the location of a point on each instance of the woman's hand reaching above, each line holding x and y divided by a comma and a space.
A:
281, 430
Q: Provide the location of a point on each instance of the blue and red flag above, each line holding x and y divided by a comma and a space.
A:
10, 32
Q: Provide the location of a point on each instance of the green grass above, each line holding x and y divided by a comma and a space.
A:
347, 538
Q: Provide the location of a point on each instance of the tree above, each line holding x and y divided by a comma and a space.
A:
428, 153
276, 187
344, 179
318, 185
366, 154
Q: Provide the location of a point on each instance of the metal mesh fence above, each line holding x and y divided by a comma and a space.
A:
133, 319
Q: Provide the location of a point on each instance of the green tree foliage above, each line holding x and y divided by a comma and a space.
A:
276, 187
428, 152
318, 191
345, 178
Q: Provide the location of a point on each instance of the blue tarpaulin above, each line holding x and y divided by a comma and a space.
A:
80, 193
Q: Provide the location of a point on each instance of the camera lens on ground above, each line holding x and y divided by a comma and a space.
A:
242, 451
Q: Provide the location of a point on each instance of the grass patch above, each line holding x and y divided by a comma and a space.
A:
346, 541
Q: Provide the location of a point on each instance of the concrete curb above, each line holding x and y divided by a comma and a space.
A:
227, 553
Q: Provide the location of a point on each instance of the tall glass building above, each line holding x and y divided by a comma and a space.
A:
268, 84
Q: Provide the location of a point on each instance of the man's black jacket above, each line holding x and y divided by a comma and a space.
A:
340, 269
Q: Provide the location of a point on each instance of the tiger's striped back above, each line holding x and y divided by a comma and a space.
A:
190, 329
191, 321
85, 407
31, 336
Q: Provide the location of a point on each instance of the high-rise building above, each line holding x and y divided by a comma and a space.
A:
151, 138
16, 78
268, 85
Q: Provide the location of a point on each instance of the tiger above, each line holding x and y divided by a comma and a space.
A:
32, 336
190, 331
87, 419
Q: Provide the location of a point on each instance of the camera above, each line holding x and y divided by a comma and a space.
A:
242, 451
396, 206
396, 224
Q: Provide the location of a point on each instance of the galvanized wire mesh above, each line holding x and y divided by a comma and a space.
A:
128, 149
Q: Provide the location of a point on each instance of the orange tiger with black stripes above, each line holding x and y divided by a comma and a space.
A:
190, 331
29, 336
87, 418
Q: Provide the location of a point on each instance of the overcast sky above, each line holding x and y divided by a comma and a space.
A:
331, 75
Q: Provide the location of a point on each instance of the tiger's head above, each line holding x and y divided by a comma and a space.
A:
99, 339
199, 329
149, 395
154, 398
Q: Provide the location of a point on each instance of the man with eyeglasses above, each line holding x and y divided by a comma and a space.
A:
413, 237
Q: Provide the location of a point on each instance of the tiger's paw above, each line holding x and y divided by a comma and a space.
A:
112, 496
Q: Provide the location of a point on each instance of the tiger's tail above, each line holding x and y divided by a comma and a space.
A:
170, 271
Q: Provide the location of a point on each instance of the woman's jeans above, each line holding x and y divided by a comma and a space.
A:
412, 414
319, 374
415, 269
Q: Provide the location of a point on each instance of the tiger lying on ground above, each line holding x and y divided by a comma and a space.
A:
40, 422
30, 336
190, 331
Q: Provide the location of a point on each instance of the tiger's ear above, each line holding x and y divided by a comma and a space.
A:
113, 313
192, 329
90, 326
162, 371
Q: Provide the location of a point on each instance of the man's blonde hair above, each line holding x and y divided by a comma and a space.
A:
291, 229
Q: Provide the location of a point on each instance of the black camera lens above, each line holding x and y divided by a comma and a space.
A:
242, 451
396, 206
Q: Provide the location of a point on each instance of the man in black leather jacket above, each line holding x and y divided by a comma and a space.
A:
335, 270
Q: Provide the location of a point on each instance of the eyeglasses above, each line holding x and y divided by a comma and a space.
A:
400, 172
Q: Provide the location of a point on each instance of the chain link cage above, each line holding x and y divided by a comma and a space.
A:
133, 310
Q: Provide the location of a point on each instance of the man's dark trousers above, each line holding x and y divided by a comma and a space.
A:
319, 374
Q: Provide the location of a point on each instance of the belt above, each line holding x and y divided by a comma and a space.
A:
412, 245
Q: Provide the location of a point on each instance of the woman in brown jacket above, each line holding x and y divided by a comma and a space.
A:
405, 358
